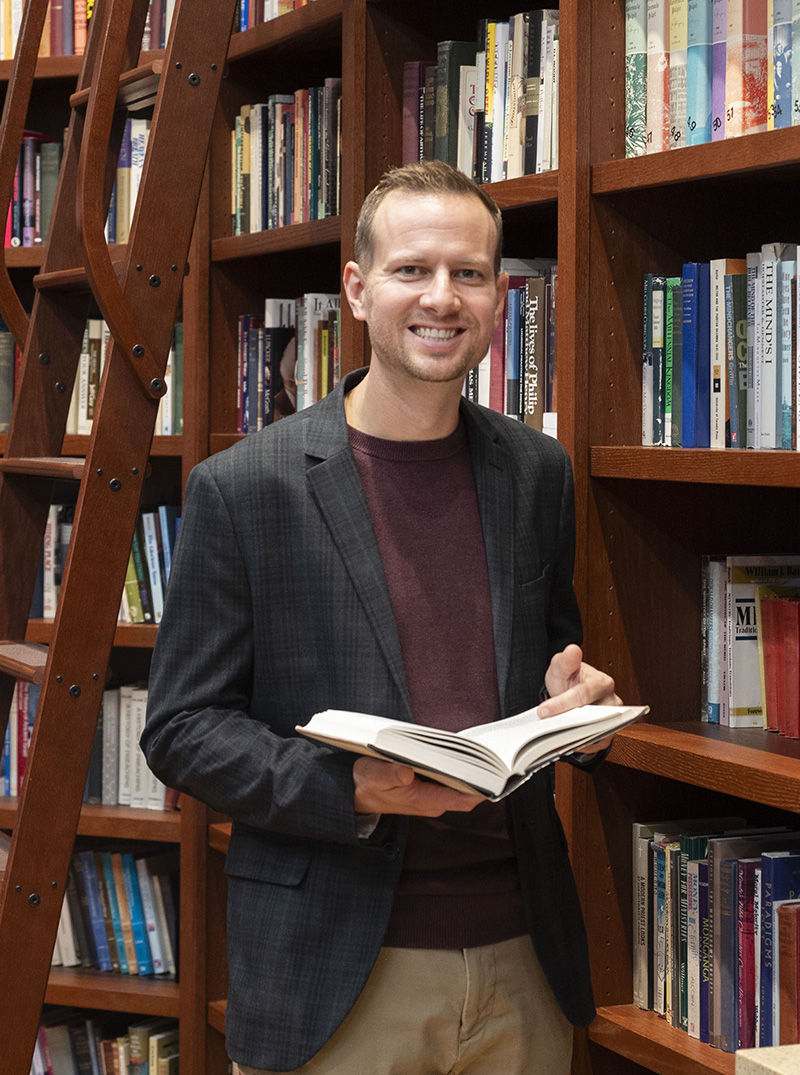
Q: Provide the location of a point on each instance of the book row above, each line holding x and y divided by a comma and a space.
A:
75, 1042
286, 159
253, 12
66, 26
488, 107
118, 773
517, 375
705, 70
94, 347
33, 191
717, 929
751, 642
149, 563
287, 359
720, 353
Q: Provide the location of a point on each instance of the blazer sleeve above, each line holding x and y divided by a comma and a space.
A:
199, 736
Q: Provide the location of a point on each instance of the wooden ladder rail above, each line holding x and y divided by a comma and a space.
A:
108, 500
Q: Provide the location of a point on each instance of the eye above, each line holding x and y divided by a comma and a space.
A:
409, 270
469, 274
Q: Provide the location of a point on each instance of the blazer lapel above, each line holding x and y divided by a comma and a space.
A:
335, 484
495, 491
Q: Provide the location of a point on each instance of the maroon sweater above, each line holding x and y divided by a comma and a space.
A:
459, 885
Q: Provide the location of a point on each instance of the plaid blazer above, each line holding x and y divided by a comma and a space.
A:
277, 608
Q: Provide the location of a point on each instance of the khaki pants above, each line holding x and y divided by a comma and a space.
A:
472, 1011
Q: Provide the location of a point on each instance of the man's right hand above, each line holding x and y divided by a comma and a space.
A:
384, 787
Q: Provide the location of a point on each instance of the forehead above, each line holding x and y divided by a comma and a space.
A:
411, 223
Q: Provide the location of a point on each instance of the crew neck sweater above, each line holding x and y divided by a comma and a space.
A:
459, 886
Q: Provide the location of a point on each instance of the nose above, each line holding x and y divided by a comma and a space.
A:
440, 295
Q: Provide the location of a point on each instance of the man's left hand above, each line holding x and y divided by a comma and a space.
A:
570, 683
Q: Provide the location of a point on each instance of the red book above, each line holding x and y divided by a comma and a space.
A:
413, 84
791, 666
746, 952
773, 661
788, 922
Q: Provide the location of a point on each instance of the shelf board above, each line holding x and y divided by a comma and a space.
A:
47, 67
524, 191
747, 762
113, 822
77, 986
78, 444
307, 21
693, 164
130, 635
726, 467
216, 1015
311, 233
219, 836
647, 1039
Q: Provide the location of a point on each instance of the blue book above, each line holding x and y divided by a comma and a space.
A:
513, 350
699, 58
113, 904
92, 888
168, 518
137, 914
780, 881
696, 380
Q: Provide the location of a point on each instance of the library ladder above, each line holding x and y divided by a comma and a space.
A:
137, 289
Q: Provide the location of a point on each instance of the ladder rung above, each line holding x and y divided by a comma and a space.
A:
66, 468
137, 88
25, 660
77, 279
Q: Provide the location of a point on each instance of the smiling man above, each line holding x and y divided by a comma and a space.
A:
393, 550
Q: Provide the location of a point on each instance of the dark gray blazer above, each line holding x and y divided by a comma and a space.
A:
278, 608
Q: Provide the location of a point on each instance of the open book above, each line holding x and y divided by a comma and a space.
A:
490, 759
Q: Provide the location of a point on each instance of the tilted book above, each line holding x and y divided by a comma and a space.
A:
490, 759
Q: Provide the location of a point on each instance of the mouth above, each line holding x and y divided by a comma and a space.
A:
440, 334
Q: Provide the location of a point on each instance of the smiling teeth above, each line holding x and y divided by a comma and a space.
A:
436, 333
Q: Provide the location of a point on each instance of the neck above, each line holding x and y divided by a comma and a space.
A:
420, 411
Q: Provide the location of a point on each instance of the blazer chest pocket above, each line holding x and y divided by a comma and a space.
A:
258, 860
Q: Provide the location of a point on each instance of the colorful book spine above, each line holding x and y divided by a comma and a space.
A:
699, 72
657, 111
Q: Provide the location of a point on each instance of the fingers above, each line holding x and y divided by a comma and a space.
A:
388, 788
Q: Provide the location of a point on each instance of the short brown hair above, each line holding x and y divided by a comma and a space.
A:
424, 177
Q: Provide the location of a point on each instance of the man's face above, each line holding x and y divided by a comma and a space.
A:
430, 297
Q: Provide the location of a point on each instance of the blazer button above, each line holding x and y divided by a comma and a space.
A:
390, 851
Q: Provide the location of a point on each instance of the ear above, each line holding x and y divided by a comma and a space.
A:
354, 289
502, 291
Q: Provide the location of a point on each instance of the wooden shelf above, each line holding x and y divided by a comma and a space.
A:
113, 822
647, 1039
48, 67
216, 1015
303, 236
525, 191
747, 762
112, 992
309, 21
755, 153
219, 836
132, 635
727, 467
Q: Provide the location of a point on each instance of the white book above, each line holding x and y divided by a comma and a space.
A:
771, 255
150, 917
745, 574
466, 118
554, 102
49, 590
84, 362
484, 378
757, 361
515, 111
499, 104
111, 729
316, 306
140, 133
125, 739
138, 763
549, 30
66, 937
490, 759
718, 354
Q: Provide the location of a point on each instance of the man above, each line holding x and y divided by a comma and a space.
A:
393, 550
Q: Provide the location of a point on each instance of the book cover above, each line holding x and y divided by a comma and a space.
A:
780, 881
678, 40
138, 927
698, 72
746, 68
87, 875
696, 347
657, 107
768, 361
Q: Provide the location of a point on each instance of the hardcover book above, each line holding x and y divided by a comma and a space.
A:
490, 759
